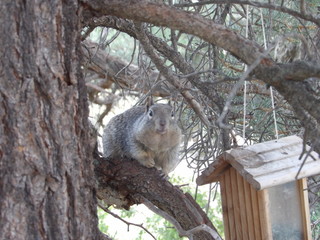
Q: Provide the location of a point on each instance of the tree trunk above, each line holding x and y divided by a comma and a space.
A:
46, 185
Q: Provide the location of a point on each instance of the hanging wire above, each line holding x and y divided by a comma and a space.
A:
271, 91
245, 83
274, 114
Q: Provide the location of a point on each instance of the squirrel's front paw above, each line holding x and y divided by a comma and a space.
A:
148, 163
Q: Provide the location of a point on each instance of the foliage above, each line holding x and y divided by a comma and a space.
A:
163, 229
314, 199
315, 216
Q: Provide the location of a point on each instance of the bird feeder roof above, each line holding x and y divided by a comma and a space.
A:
266, 164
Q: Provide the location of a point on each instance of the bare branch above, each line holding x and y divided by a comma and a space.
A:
126, 222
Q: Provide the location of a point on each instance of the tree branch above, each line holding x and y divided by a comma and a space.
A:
162, 15
302, 14
134, 183
126, 222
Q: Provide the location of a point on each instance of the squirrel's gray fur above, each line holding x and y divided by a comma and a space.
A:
148, 134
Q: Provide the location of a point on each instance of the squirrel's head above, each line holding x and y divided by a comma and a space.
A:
161, 116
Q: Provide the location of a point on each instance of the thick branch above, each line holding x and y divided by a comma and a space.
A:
162, 15
132, 183
299, 71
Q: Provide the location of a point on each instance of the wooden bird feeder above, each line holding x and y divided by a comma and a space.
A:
263, 190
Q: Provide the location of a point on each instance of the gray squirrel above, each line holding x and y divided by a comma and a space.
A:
149, 134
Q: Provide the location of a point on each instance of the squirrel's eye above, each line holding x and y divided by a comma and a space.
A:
150, 113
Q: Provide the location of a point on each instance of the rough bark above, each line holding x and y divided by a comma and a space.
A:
125, 182
46, 175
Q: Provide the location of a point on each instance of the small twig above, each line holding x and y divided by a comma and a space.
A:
87, 32
126, 222
195, 73
131, 60
111, 40
182, 185
307, 154
315, 223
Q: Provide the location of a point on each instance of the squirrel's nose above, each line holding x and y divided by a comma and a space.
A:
162, 122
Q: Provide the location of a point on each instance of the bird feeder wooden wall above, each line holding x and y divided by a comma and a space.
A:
264, 191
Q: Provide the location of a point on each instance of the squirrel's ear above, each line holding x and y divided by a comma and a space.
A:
149, 102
